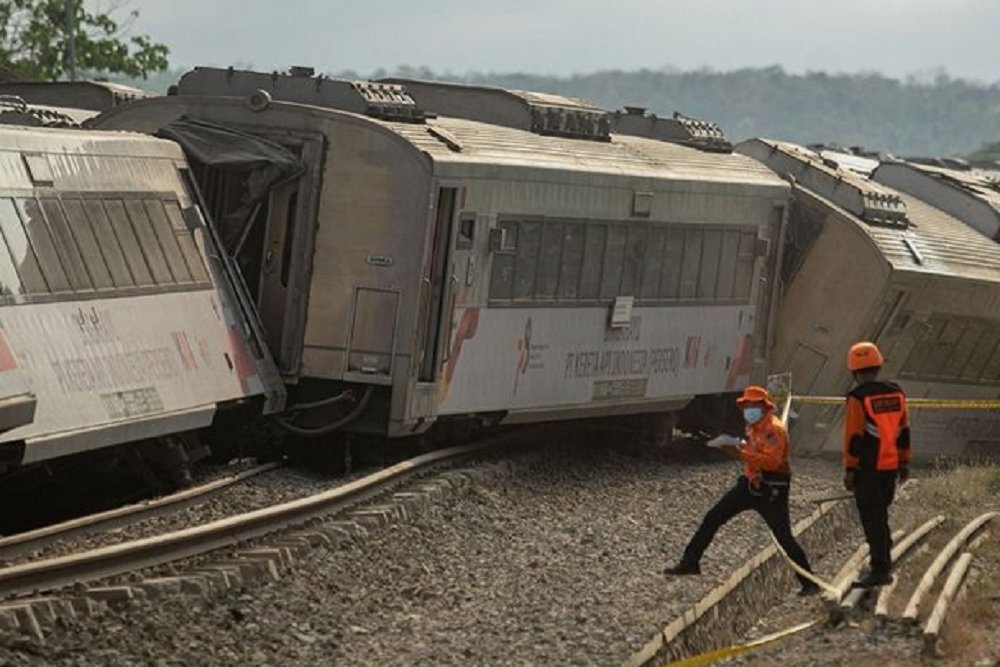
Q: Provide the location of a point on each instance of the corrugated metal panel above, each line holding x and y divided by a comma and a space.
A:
128, 162
623, 154
62, 141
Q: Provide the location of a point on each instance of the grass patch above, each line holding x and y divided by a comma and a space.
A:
963, 488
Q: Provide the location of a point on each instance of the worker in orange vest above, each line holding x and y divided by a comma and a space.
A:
763, 487
876, 454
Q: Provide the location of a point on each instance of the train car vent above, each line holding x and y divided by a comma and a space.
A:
388, 102
540, 113
571, 123
680, 129
884, 209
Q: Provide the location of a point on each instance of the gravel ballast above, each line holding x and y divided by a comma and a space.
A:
558, 563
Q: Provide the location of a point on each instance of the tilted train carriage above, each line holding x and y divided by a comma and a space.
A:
864, 261
440, 266
115, 314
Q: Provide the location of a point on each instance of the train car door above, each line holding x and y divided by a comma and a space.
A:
273, 290
438, 286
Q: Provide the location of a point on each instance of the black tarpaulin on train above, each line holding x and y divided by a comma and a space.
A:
224, 148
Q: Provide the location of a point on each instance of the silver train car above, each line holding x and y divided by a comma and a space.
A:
422, 265
118, 323
865, 261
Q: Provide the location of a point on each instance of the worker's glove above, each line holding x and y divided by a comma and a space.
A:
849, 480
904, 472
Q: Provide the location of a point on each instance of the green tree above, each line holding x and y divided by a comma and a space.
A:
34, 40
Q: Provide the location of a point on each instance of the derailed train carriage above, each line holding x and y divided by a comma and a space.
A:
426, 266
118, 324
864, 261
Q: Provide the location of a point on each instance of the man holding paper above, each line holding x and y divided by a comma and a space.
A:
763, 486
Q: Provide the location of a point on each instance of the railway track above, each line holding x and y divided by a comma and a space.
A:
551, 543
50, 574
36, 540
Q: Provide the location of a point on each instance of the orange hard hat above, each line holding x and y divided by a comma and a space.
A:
864, 355
755, 394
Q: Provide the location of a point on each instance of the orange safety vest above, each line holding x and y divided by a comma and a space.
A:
766, 450
879, 424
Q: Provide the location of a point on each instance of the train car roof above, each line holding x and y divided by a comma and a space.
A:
922, 180
69, 140
95, 96
911, 234
459, 140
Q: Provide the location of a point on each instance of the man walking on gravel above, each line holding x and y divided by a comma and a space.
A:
763, 487
876, 452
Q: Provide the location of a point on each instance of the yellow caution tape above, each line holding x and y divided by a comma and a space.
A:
935, 403
728, 652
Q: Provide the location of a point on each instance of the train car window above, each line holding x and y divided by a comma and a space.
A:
632, 270
551, 255
593, 257
122, 228
614, 259
93, 259
529, 241
727, 264
693, 241
916, 363
673, 259
149, 245
652, 264
41, 241
985, 348
991, 371
66, 246
964, 349
745, 258
502, 275
185, 239
574, 236
108, 242
466, 231
951, 333
12, 253
168, 240
288, 241
711, 251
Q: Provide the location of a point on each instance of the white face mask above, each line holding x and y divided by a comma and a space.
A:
753, 415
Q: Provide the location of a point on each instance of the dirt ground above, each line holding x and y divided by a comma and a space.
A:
971, 632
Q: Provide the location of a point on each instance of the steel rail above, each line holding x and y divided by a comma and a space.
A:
152, 551
15, 545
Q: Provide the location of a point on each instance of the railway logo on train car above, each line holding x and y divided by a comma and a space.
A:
380, 260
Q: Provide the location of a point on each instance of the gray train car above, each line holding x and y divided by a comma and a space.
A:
969, 195
95, 96
445, 267
866, 262
116, 317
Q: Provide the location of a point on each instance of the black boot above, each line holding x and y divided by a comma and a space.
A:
684, 567
808, 589
873, 579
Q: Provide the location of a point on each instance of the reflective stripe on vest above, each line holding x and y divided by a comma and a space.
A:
886, 411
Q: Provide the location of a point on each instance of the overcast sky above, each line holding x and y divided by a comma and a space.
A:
895, 37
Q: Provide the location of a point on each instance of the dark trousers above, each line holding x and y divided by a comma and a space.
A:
772, 508
873, 493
